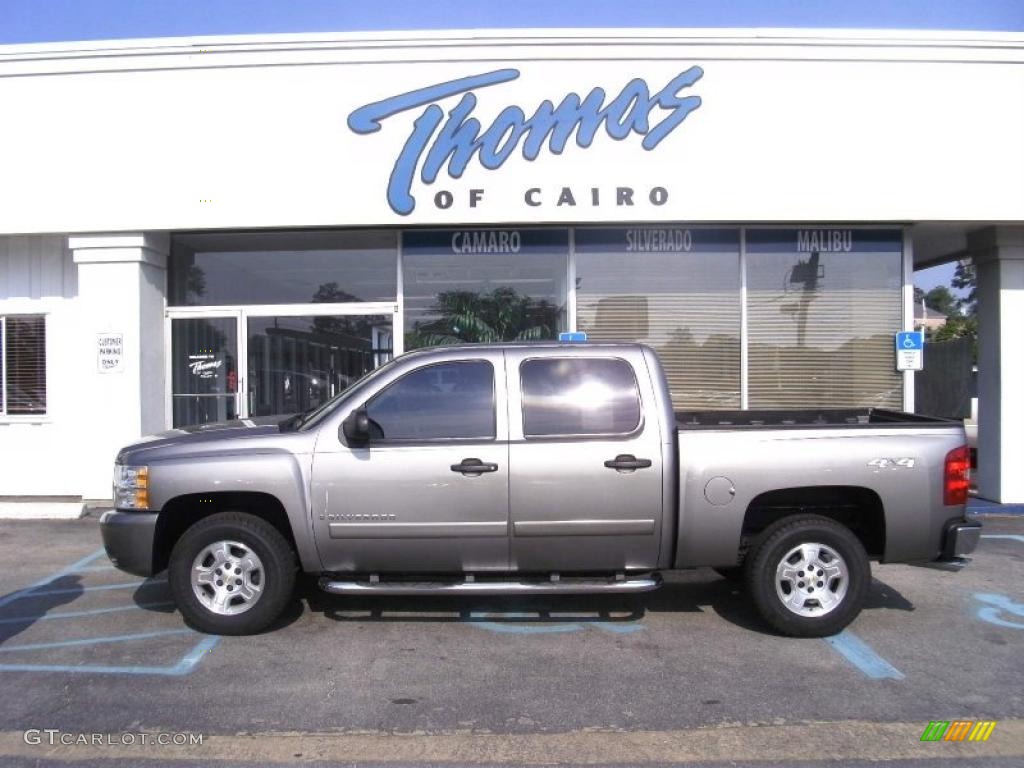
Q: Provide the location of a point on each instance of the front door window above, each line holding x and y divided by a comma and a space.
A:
448, 401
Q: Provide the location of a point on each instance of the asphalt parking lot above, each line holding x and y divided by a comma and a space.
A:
684, 673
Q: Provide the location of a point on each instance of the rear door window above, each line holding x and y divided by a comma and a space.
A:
578, 396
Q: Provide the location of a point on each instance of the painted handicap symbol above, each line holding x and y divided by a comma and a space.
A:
997, 606
502, 625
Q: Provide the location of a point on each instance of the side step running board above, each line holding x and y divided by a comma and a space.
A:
560, 587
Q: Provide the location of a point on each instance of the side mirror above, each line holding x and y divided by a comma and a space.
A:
356, 427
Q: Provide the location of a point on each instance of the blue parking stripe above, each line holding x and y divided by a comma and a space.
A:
183, 667
100, 588
618, 629
96, 669
863, 657
47, 579
95, 640
80, 614
192, 657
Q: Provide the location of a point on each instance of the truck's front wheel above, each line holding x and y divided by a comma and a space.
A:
808, 576
231, 574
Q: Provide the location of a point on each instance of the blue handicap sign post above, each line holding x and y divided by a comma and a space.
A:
909, 350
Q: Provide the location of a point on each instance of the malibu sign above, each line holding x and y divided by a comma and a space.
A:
453, 138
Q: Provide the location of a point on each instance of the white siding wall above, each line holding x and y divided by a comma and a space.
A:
40, 455
36, 267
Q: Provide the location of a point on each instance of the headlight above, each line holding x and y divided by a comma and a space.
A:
131, 487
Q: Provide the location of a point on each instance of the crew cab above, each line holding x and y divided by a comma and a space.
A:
537, 468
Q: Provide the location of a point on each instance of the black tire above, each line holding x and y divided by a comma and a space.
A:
276, 576
767, 554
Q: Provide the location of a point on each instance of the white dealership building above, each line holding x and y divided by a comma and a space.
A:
208, 228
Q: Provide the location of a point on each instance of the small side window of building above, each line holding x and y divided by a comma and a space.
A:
578, 396
24, 364
447, 401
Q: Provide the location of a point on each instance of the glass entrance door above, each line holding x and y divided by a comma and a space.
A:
239, 364
204, 369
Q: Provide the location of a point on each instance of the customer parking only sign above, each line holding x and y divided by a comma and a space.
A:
909, 351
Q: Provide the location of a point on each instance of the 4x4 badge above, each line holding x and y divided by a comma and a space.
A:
905, 463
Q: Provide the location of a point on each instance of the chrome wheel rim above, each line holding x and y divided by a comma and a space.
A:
227, 578
811, 579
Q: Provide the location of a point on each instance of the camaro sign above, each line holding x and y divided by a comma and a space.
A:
448, 141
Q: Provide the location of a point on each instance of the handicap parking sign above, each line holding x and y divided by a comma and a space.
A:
909, 351
910, 340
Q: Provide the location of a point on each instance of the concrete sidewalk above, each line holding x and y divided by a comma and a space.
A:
976, 506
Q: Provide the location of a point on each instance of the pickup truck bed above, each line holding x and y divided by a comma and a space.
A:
835, 417
880, 472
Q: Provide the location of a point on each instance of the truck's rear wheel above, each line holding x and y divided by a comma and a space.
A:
231, 574
808, 576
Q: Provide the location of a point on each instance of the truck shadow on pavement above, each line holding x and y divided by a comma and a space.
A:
695, 593
618, 613
21, 609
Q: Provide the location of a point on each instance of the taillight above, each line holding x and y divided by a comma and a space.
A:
955, 477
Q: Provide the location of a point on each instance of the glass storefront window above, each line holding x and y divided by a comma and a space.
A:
297, 363
675, 289
823, 305
221, 269
483, 285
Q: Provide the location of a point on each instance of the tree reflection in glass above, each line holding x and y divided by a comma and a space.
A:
498, 315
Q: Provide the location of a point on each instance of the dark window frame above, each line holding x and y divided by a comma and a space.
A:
636, 430
441, 440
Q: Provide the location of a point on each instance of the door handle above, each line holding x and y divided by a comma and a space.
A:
627, 462
474, 467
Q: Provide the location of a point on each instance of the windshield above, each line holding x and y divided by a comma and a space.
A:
313, 418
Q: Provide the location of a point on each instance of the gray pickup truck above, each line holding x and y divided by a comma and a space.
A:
536, 469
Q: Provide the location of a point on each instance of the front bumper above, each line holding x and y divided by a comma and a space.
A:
960, 538
128, 538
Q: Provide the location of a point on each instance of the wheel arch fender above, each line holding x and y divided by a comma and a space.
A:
271, 486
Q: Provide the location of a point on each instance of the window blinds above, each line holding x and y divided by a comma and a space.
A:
685, 306
24, 342
823, 340
834, 349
